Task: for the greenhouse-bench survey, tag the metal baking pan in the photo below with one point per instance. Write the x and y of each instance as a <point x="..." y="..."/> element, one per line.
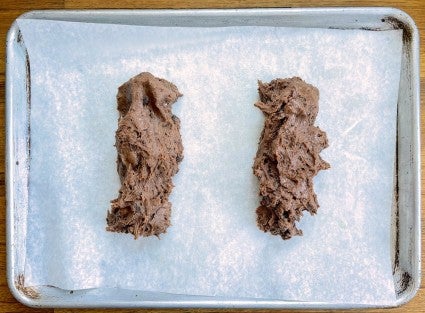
<point x="406" y="216"/>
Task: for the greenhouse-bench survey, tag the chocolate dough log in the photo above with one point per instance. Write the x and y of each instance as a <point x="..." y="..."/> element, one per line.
<point x="149" y="150"/>
<point x="288" y="155"/>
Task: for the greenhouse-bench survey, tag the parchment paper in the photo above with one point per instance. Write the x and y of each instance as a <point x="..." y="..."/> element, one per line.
<point x="213" y="247"/>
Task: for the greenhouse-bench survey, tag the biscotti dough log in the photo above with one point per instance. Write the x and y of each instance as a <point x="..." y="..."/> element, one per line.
<point x="149" y="150"/>
<point x="288" y="155"/>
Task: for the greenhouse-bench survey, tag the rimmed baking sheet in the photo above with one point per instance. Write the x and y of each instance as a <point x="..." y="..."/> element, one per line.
<point x="376" y="19"/>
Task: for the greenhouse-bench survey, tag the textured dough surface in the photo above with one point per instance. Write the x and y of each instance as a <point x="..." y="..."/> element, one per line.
<point x="288" y="155"/>
<point x="149" y="150"/>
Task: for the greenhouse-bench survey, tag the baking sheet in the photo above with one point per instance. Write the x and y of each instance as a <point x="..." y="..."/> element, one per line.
<point x="213" y="247"/>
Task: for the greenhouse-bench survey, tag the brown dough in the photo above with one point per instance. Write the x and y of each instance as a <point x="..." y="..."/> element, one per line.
<point x="288" y="155"/>
<point x="149" y="150"/>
